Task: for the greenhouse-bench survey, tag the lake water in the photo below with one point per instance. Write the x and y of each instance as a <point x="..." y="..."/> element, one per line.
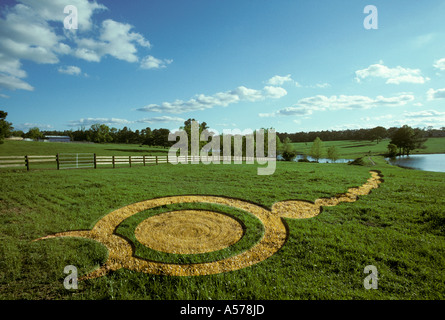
<point x="322" y="160"/>
<point x="426" y="162"/>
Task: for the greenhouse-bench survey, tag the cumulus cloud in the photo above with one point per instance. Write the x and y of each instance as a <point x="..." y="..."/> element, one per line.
<point x="436" y="94"/>
<point x="440" y="64"/>
<point x="86" y="122"/>
<point x="52" y="10"/>
<point x="70" y="70"/>
<point x="424" y="114"/>
<point x="28" y="32"/>
<point x="203" y="102"/>
<point x="90" y="121"/>
<point x="307" y="106"/>
<point x="116" y="39"/>
<point x="423" y="118"/>
<point x="395" y="75"/>
<point x="26" y="126"/>
<point x="279" y="80"/>
<point x="150" y="62"/>
<point x="161" y="119"/>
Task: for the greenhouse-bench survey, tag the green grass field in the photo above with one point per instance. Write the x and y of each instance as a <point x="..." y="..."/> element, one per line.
<point x="399" y="228"/>
<point x="353" y="149"/>
<point x="21" y="148"/>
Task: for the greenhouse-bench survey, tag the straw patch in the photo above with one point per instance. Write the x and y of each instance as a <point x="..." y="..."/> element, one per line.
<point x="189" y="231"/>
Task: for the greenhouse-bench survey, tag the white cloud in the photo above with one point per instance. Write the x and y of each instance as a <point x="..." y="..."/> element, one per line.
<point x="436" y="94"/>
<point x="150" y="62"/>
<point x="116" y="39"/>
<point x="395" y="75"/>
<point x="279" y="80"/>
<point x="161" y="119"/>
<point x="424" y="114"/>
<point x="26" y="126"/>
<point x="440" y="64"/>
<point x="274" y="92"/>
<point x="90" y="121"/>
<point x="52" y="10"/>
<point x="307" y="106"/>
<point x="28" y="32"/>
<point x="70" y="70"/>
<point x="4" y="96"/>
<point x="13" y="83"/>
<point x="86" y="122"/>
<point x="203" y="102"/>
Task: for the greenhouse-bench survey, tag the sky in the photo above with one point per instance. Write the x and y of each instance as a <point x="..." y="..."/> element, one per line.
<point x="290" y="65"/>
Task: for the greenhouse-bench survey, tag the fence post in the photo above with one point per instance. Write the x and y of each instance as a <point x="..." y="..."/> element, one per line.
<point x="156" y="159"/>
<point x="143" y="160"/>
<point x="57" y="160"/>
<point x="129" y="160"/>
<point x="95" y="162"/>
<point x="113" y="162"/>
<point x="27" y="163"/>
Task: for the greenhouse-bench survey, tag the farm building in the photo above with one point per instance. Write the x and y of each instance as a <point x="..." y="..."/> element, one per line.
<point x="58" y="138"/>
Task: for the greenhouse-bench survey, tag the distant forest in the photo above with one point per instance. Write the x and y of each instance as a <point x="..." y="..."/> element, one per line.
<point x="159" y="137"/>
<point x="373" y="134"/>
<point x="101" y="133"/>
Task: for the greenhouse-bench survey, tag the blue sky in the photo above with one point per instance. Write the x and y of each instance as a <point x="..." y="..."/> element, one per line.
<point x="291" y="65"/>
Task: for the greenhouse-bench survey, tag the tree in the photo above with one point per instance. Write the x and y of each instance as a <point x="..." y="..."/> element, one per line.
<point x="287" y="150"/>
<point x="408" y="139"/>
<point x="34" y="133"/>
<point x="147" y="136"/>
<point x="392" y="150"/>
<point x="316" y="149"/>
<point x="332" y="153"/>
<point x="377" y="134"/>
<point x="160" y="137"/>
<point x="5" y="126"/>
<point x="99" y="133"/>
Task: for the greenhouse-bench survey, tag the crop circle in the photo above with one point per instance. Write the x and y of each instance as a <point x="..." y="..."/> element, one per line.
<point x="189" y="231"/>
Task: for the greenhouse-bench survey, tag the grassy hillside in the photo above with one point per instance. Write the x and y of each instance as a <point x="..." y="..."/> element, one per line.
<point x="346" y="149"/>
<point x="20" y="148"/>
<point x="353" y="149"/>
<point x="399" y="228"/>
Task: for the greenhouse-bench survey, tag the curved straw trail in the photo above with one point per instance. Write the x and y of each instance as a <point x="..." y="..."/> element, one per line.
<point x="121" y="252"/>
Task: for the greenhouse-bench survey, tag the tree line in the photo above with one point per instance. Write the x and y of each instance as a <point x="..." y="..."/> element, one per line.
<point x="402" y="140"/>
<point x="373" y="134"/>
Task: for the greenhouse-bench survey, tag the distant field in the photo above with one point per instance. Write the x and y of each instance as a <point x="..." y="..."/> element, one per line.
<point x="346" y="149"/>
<point x="349" y="149"/>
<point x="21" y="148"/>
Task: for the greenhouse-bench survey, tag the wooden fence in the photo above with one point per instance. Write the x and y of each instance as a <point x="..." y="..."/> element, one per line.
<point x="81" y="160"/>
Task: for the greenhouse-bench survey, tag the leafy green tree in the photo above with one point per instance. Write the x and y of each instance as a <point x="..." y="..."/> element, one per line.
<point x="147" y="136"/>
<point x="5" y="126"/>
<point x="287" y="150"/>
<point x="34" y="133"/>
<point x="392" y="150"/>
<point x="160" y="137"/>
<point x="377" y="134"/>
<point x="333" y="153"/>
<point x="18" y="133"/>
<point x="99" y="133"/>
<point x="316" y="149"/>
<point x="408" y="139"/>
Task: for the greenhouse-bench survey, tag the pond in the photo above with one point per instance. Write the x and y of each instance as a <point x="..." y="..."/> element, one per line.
<point x="321" y="160"/>
<point x="425" y="162"/>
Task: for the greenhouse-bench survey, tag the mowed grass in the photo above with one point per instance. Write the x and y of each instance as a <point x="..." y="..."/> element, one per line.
<point x="399" y="228"/>
<point x="349" y="149"/>
<point x="22" y="148"/>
